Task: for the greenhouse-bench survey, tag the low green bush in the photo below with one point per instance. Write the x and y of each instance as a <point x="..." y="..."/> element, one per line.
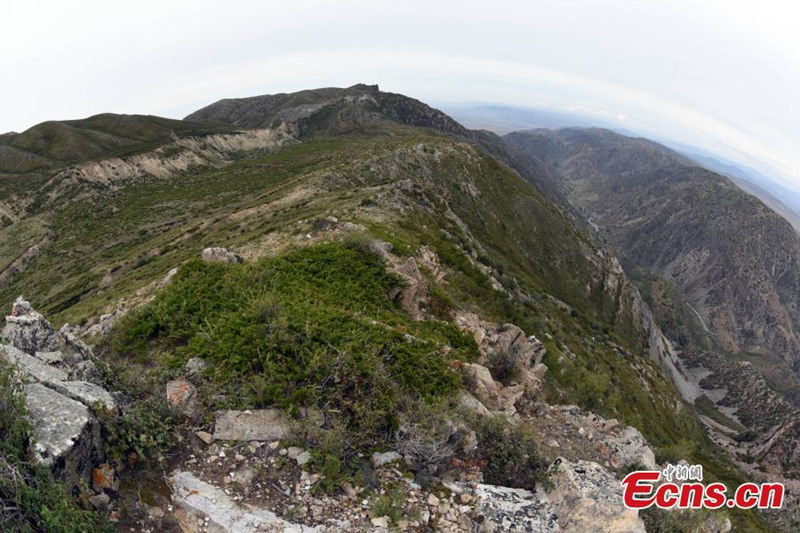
<point x="510" y="454"/>
<point x="505" y="367"/>
<point x="390" y="504"/>
<point x="146" y="428"/>
<point x="312" y="328"/>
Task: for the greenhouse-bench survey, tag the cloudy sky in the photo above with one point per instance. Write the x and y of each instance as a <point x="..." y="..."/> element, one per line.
<point x="720" y="75"/>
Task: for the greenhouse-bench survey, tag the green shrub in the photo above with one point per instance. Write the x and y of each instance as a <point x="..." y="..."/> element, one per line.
<point x="681" y="450"/>
<point x="510" y="454"/>
<point x="14" y="429"/>
<point x="334" y="453"/>
<point x="390" y="504"/>
<point x="313" y="327"/>
<point x="505" y="367"/>
<point x="147" y="428"/>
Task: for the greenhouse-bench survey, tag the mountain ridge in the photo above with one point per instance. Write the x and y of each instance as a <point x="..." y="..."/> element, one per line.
<point x="470" y="225"/>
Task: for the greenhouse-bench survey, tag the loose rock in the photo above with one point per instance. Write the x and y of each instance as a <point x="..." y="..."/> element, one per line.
<point x="220" y="255"/>
<point x="381" y="459"/>
<point x="182" y="396"/>
<point x="206" y="437"/>
<point x="259" y="425"/>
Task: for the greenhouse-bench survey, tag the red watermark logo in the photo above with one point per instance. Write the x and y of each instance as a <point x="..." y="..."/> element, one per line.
<point x="641" y="489"/>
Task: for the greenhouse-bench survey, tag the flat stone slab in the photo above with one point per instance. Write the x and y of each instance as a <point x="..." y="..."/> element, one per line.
<point x="258" y="424"/>
<point x="87" y="393"/>
<point x="31" y="367"/>
<point x="58" y="422"/>
<point x="196" y="501"/>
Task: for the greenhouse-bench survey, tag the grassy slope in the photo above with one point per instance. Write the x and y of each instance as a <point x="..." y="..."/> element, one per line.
<point x="51" y="144"/>
<point x="106" y="247"/>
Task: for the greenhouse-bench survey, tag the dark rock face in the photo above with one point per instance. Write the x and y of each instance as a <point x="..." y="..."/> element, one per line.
<point x="732" y="258"/>
<point x="27" y="330"/>
<point x="263" y="111"/>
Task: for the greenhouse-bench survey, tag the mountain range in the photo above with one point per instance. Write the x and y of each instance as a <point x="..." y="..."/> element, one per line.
<point x="361" y="235"/>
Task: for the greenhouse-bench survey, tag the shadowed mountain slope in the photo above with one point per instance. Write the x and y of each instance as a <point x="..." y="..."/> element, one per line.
<point x="734" y="260"/>
<point x="264" y="111"/>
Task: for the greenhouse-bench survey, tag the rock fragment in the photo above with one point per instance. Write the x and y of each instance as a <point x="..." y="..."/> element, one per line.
<point x="259" y="425"/>
<point x="217" y="254"/>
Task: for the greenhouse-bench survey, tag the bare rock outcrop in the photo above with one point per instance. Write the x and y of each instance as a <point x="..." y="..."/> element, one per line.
<point x="56" y="367"/>
<point x="507" y="340"/>
<point x="503" y="509"/>
<point x="414" y="288"/>
<point x="67" y="434"/>
<point x="492" y="393"/>
<point x="216" y="254"/>
<point x="28" y="331"/>
<point x="583" y="497"/>
<point x="416" y="274"/>
<point x="586" y="497"/>
<point x="503" y="338"/>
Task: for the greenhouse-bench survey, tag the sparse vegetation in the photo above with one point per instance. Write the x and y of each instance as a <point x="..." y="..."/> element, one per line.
<point x="706" y="407"/>
<point x="510" y="454"/>
<point x="144" y="431"/>
<point x="390" y="504"/>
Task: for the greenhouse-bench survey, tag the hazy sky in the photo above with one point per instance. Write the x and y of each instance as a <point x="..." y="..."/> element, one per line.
<point x="721" y="75"/>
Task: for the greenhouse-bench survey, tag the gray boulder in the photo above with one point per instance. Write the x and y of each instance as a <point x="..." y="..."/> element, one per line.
<point x="27" y="330"/>
<point x="33" y="370"/>
<point x="56" y="367"/>
<point x="630" y="447"/>
<point x="586" y="497"/>
<point x="87" y="393"/>
<point x="85" y="371"/>
<point x="76" y="348"/>
<point x="194" y="366"/>
<point x="30" y="367"/>
<point x="51" y="358"/>
<point x="216" y="254"/>
<point x="503" y="509"/>
<point x="67" y="434"/>
<point x="201" y="507"/>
